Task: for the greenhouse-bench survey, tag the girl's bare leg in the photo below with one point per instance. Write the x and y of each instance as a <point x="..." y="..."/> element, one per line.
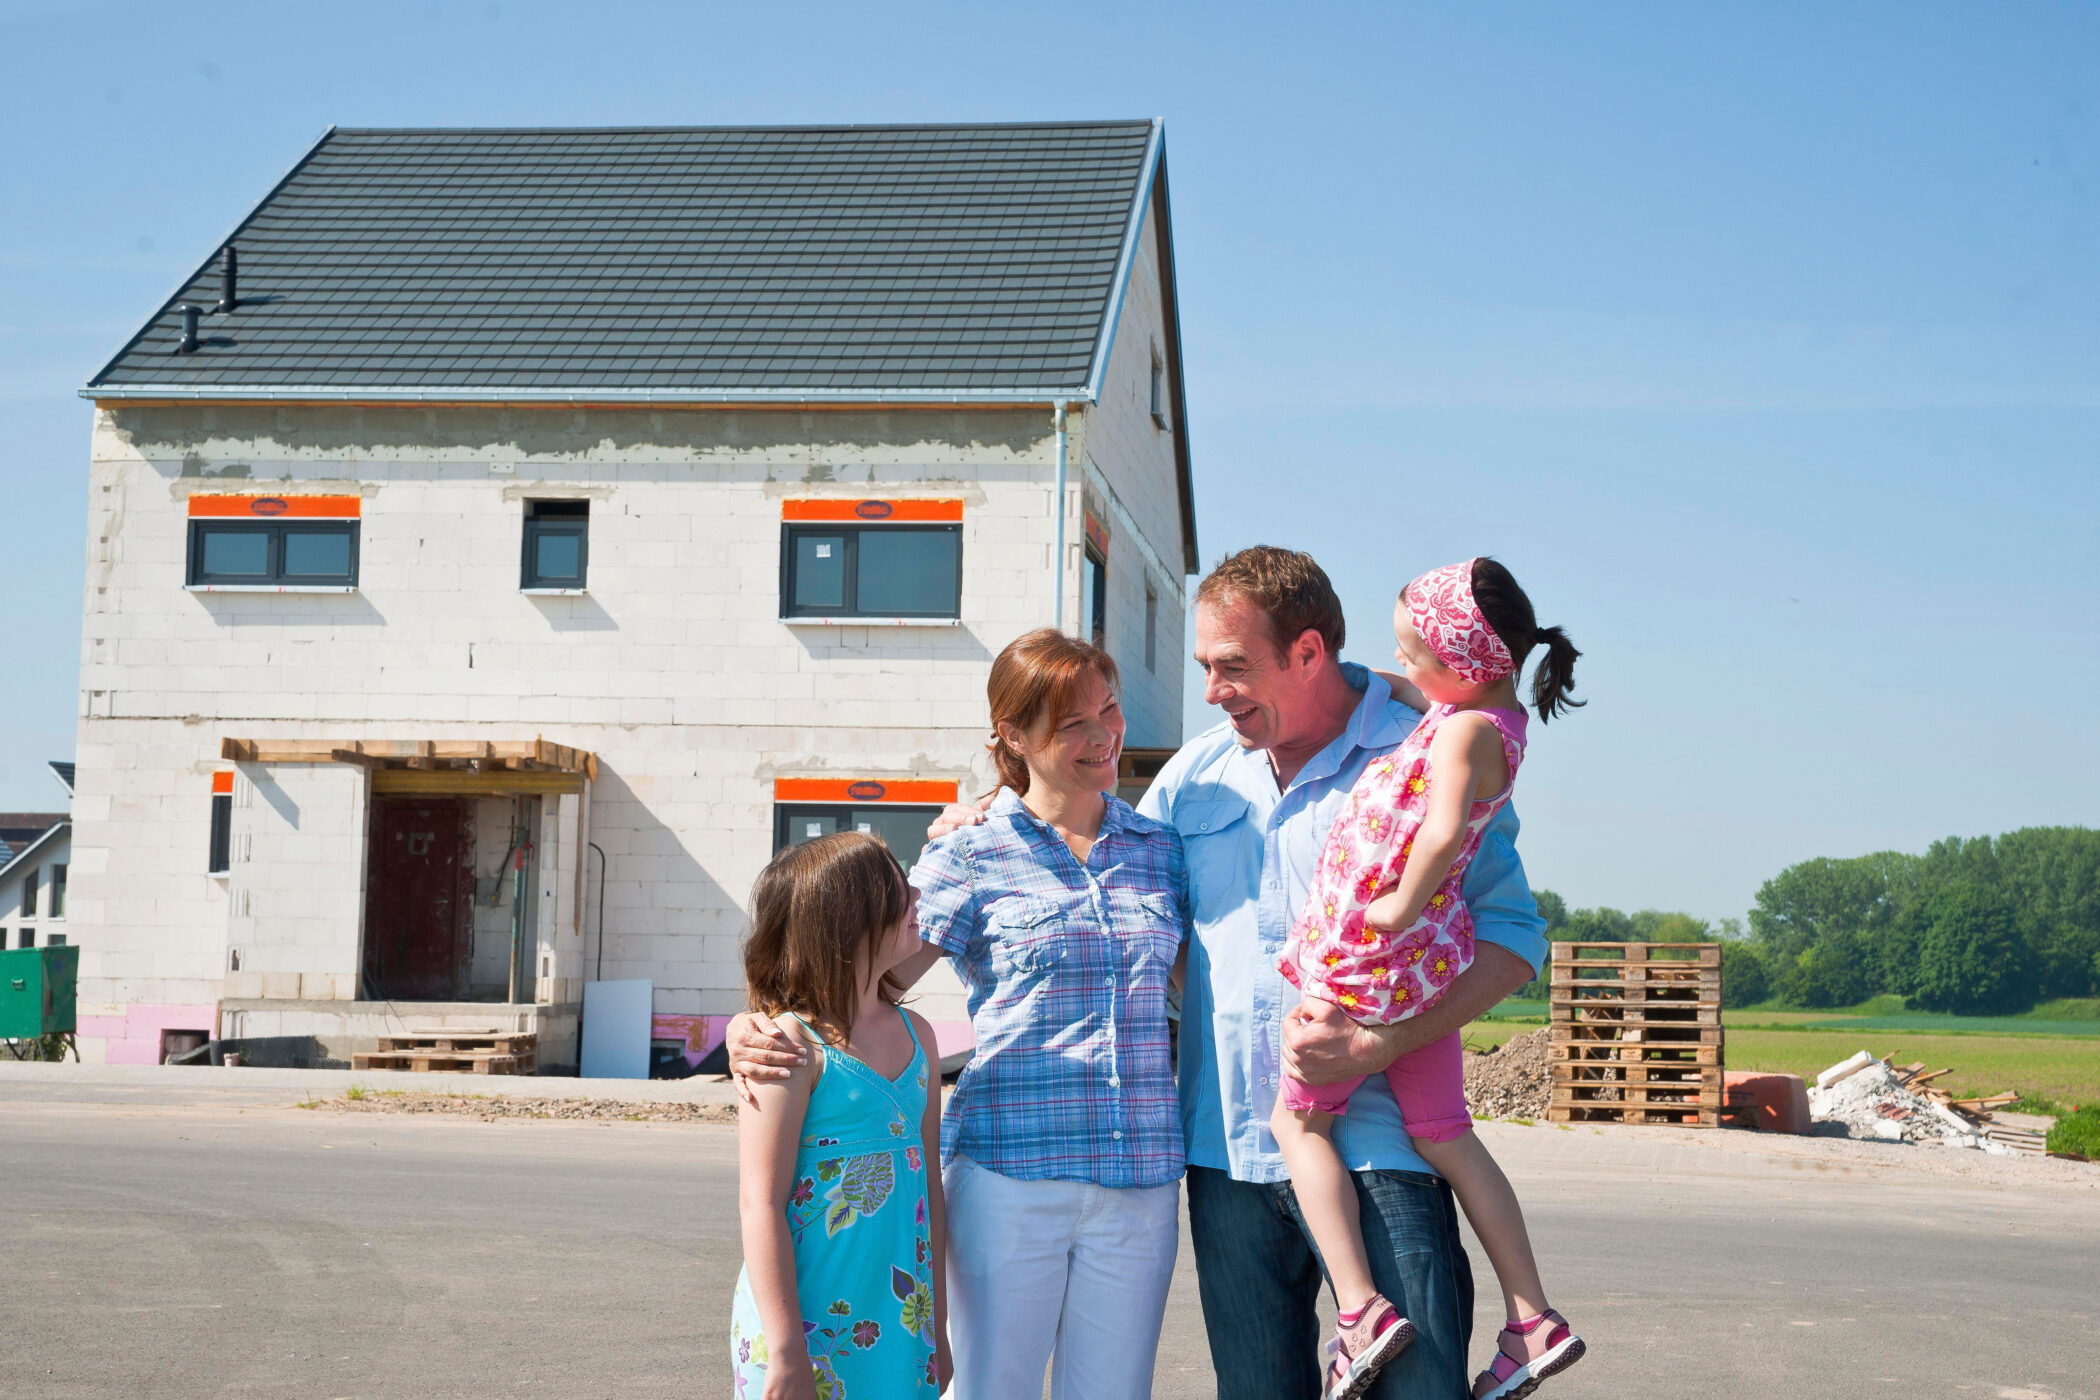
<point x="1491" y="1206"/>
<point x="1327" y="1199"/>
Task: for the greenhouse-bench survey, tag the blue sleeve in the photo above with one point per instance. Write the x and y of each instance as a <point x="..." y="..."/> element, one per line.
<point x="1499" y="893"/>
<point x="948" y="914"/>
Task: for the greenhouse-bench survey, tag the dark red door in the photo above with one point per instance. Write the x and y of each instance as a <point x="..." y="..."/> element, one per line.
<point x="417" y="889"/>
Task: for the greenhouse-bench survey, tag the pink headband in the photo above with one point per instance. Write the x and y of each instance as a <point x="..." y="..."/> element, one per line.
<point x="1441" y="607"/>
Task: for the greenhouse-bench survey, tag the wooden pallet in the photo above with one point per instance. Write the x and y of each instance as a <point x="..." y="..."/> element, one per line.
<point x="1622" y="1113"/>
<point x="1696" y="1076"/>
<point x="1636" y="1034"/>
<point x="464" y="1042"/>
<point x="446" y="1062"/>
<point x="1583" y="1052"/>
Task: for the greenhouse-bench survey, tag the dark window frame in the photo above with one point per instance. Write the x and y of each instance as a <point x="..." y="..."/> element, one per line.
<point x="558" y="522"/>
<point x="784" y="812"/>
<point x="221" y="855"/>
<point x="29" y="887"/>
<point x="275" y="531"/>
<point x="1096" y="579"/>
<point x="851" y="532"/>
<point x="57" y="898"/>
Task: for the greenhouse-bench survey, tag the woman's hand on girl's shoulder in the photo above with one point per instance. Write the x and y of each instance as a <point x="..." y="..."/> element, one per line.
<point x="761" y="1051"/>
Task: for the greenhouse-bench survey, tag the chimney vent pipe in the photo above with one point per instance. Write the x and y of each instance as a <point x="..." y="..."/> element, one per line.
<point x="189" y="330"/>
<point x="229" y="289"/>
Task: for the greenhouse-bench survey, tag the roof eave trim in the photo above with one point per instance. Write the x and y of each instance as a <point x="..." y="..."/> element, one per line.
<point x="37" y="845"/>
<point x="484" y="394"/>
<point x="1126" y="261"/>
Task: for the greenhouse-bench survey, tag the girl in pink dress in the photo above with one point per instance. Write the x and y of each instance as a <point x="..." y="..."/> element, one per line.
<point x="1386" y="929"/>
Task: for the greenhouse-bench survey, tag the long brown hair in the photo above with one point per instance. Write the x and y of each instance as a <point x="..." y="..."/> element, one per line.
<point x="819" y="912"/>
<point x="1038" y="674"/>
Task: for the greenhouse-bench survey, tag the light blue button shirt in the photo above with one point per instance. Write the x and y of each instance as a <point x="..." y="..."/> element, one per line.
<point x="1251" y="855"/>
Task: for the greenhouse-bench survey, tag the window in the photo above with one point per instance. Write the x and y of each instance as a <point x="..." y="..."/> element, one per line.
<point x="557" y="543"/>
<point x="273" y="554"/>
<point x="221" y="824"/>
<point x="29" y="896"/>
<point x="1159" y="389"/>
<point x="1151" y="626"/>
<point x="56" y="940"/>
<point x="25" y="938"/>
<point x="902" y="828"/>
<point x="1093" y="597"/>
<point x="58" y="892"/>
<point x="872" y="571"/>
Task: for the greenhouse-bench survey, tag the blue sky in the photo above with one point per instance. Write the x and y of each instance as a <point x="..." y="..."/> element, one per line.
<point x="1762" y="342"/>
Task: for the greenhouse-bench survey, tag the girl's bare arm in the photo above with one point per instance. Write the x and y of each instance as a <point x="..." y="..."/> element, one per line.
<point x="1460" y="761"/>
<point x="936" y="1199"/>
<point x="768" y="1131"/>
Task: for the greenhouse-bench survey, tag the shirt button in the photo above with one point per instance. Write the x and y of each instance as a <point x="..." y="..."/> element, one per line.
<point x="1108" y="981"/>
<point x="1115" y="1081"/>
<point x="1202" y="826"/>
<point x="1117" y="1134"/>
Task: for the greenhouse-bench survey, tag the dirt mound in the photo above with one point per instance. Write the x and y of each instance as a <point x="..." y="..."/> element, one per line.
<point x="1512" y="1082"/>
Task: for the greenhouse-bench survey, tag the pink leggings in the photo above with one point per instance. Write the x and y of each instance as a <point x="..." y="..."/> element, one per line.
<point x="1429" y="1084"/>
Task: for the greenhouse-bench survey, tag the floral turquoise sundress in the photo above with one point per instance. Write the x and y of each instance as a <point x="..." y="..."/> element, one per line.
<point x="863" y="1250"/>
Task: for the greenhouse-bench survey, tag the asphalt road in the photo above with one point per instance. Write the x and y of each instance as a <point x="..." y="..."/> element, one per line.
<point x="254" y="1249"/>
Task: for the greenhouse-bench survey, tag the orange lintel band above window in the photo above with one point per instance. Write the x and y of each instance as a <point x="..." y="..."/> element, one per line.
<point x="863" y="790"/>
<point x="275" y="507"/>
<point x="873" y="510"/>
<point x="222" y="783"/>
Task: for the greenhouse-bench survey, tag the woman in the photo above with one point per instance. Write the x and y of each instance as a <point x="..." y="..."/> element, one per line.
<point x="1063" y="912"/>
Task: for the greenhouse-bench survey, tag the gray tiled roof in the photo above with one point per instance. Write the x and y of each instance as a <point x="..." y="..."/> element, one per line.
<point x="830" y="259"/>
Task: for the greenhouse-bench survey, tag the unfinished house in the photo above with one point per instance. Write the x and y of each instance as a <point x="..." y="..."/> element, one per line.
<point x="506" y="540"/>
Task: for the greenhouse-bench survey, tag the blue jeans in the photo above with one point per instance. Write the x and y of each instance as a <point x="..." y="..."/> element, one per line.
<point x="1259" y="1277"/>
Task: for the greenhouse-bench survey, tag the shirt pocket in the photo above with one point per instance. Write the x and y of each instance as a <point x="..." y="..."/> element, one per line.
<point x="1028" y="937"/>
<point x="1213" y="834"/>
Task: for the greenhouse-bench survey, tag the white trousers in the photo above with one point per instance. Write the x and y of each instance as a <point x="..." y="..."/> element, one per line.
<point x="1063" y="1270"/>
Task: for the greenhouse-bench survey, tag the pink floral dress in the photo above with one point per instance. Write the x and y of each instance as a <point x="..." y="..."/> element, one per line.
<point x="1376" y="976"/>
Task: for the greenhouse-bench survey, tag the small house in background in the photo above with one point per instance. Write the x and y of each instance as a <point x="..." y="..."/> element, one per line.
<point x="36" y="865"/>
<point x="507" y="540"/>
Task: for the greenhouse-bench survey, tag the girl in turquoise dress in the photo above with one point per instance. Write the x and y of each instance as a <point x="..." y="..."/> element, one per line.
<point x="844" y="1289"/>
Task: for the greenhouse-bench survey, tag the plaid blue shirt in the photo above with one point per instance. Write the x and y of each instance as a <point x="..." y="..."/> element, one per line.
<point x="1066" y="967"/>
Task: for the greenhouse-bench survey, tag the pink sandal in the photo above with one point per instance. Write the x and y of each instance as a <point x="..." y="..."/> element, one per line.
<point x="1512" y="1376"/>
<point x="1362" y="1349"/>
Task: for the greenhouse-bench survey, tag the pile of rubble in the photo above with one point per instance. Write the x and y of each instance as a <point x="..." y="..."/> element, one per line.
<point x="1512" y="1082"/>
<point x="1867" y="1097"/>
<point x="489" y="1108"/>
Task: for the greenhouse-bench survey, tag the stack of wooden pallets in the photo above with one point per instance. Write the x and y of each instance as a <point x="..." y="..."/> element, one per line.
<point x="1636" y="1033"/>
<point x="455" y="1052"/>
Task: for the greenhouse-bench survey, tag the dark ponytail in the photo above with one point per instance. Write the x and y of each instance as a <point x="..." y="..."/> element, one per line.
<point x="1508" y="610"/>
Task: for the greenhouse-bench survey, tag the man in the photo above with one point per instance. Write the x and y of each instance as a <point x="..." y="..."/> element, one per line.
<point x="1253" y="799"/>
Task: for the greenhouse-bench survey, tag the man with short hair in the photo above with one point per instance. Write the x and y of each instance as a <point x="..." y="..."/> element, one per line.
<point x="1253" y="799"/>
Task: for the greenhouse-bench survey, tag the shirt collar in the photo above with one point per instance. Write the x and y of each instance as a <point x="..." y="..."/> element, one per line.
<point x="1371" y="725"/>
<point x="1008" y="804"/>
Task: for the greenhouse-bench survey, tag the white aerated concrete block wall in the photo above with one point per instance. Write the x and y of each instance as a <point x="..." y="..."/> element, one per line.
<point x="674" y="668"/>
<point x="296" y="891"/>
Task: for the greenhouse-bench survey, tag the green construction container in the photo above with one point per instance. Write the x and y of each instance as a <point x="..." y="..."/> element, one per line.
<point x="36" y="991"/>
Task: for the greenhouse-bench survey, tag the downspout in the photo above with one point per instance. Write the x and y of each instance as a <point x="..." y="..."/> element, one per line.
<point x="1057" y="560"/>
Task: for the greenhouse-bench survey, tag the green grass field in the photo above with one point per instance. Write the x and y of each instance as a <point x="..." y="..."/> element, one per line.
<point x="2034" y="1055"/>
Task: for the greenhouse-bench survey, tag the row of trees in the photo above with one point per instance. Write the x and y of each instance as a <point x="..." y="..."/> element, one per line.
<point x="1988" y="926"/>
